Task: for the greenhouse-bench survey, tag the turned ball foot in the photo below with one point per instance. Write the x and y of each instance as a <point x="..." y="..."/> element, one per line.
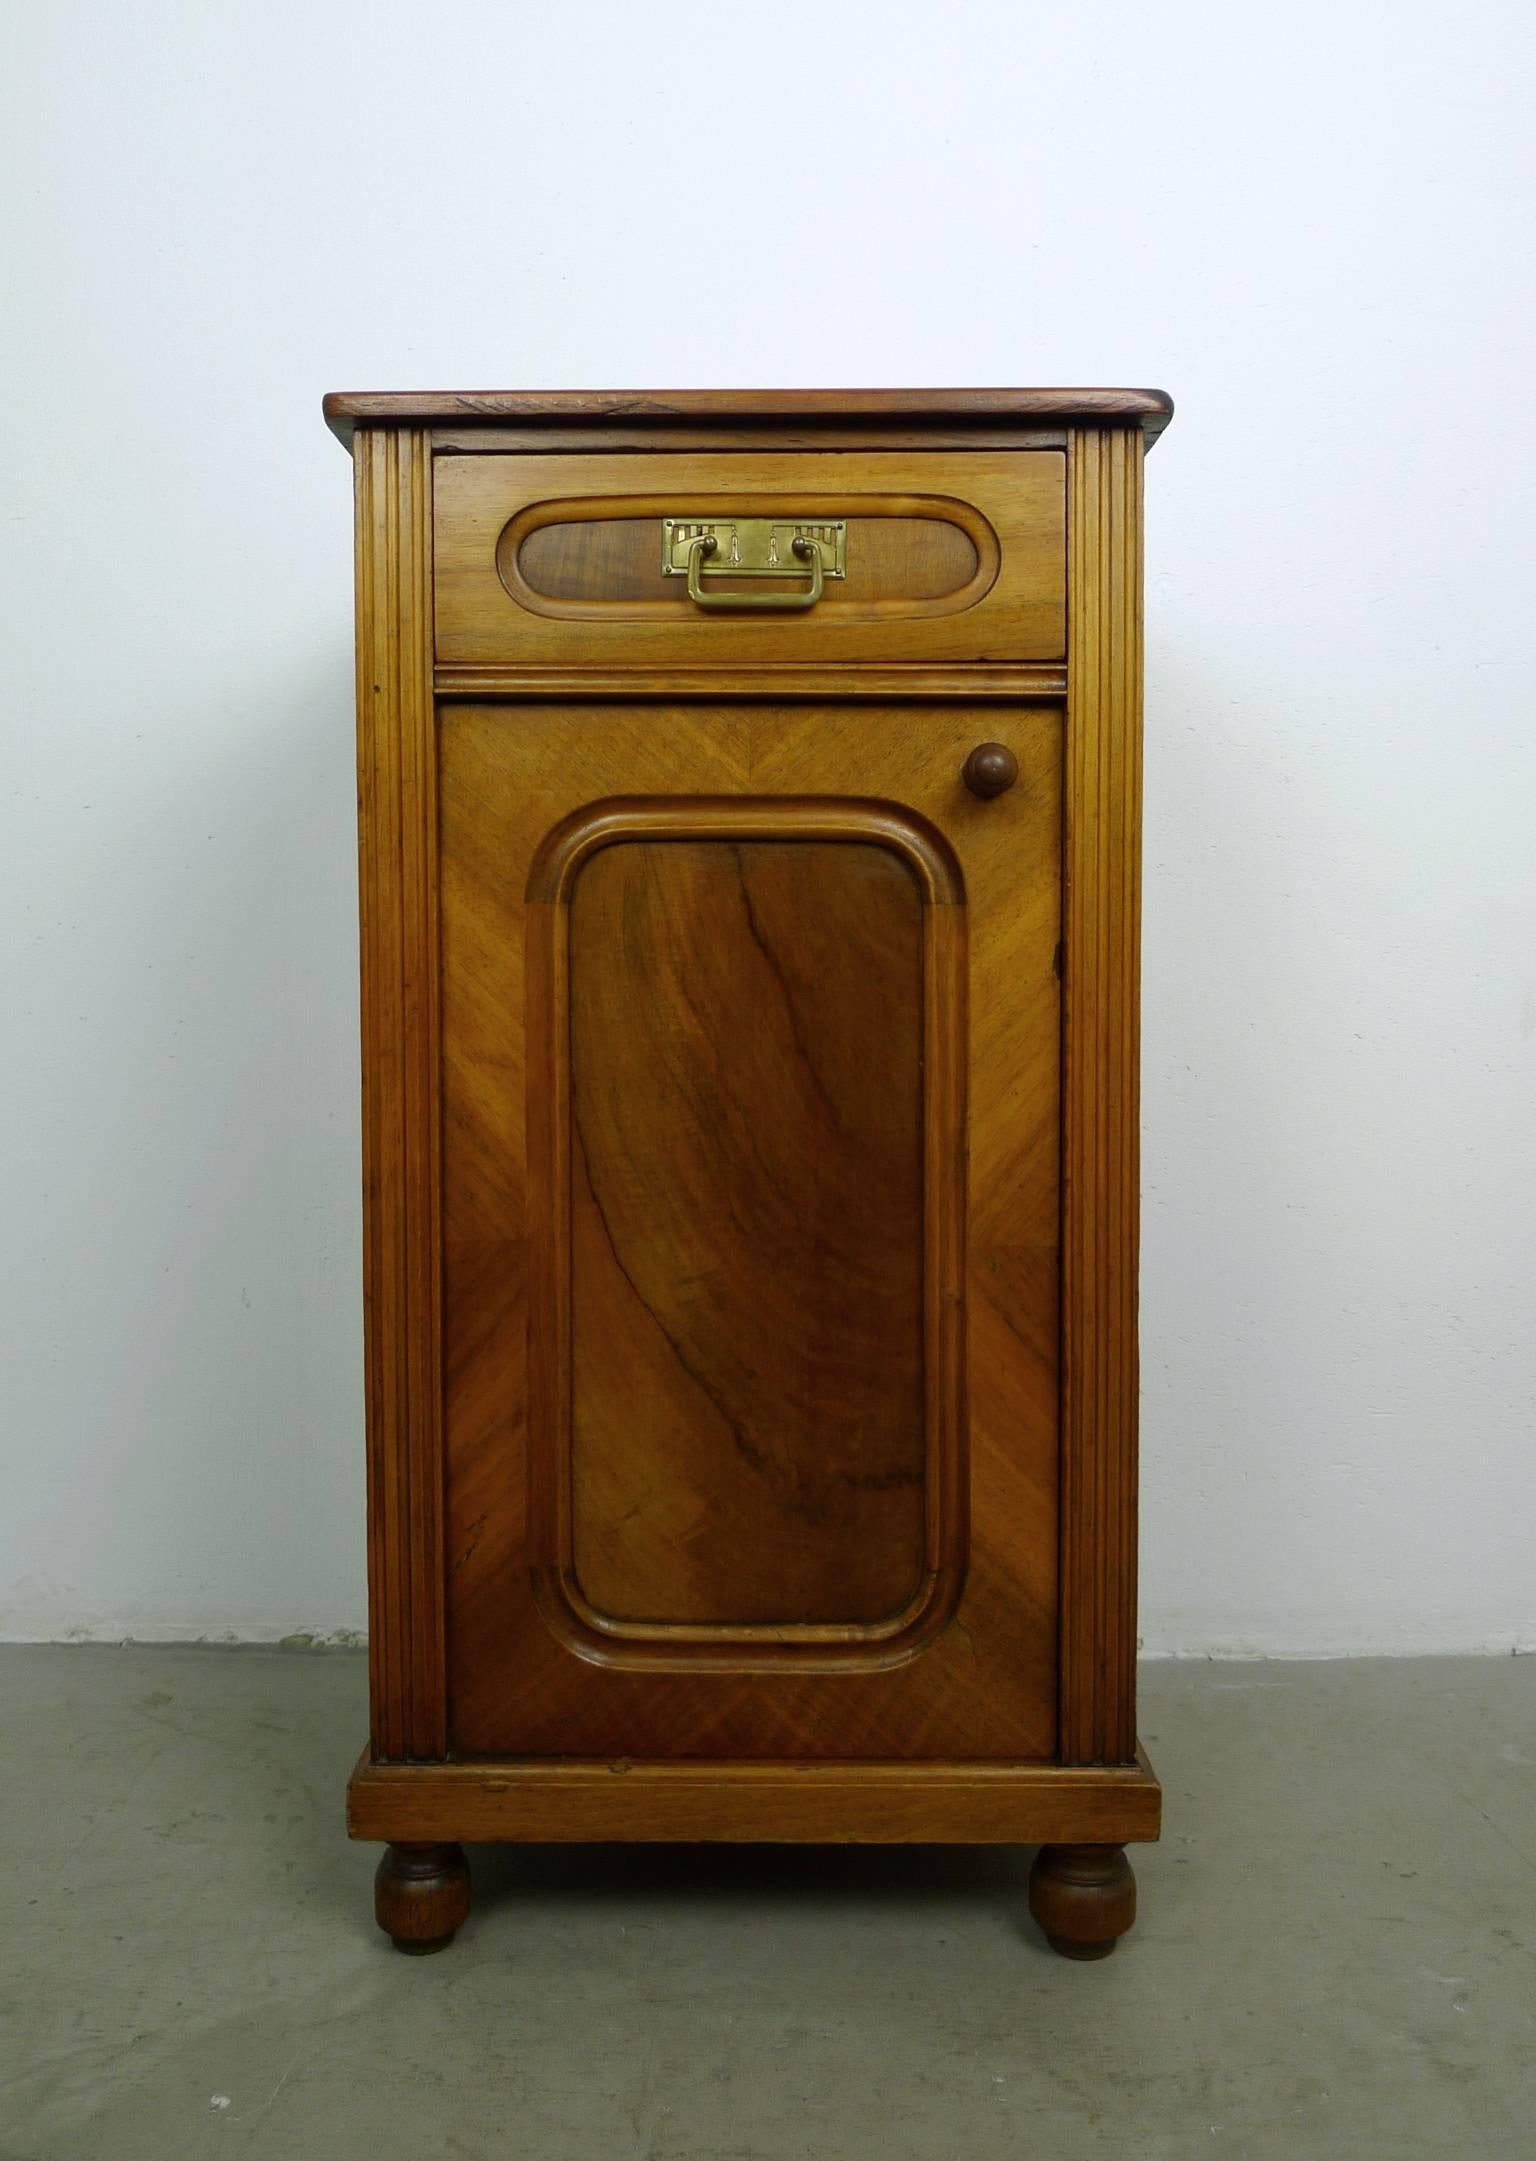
<point x="1084" y="1897"/>
<point x="421" y="1895"/>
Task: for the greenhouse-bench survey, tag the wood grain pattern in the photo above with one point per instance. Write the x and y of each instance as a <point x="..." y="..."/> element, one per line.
<point x="1101" y="1099"/>
<point x="397" y="843"/>
<point x="984" y="1686"/>
<point x="827" y="1803"/>
<point x="345" y="409"/>
<point x="609" y="929"/>
<point x="897" y="557"/>
<point x="1012" y="506"/>
<point x="819" y="1025"/>
<point x="746" y="1372"/>
<point x="799" y="1222"/>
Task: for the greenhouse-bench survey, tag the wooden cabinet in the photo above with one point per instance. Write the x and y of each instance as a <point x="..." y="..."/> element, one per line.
<point x="749" y="809"/>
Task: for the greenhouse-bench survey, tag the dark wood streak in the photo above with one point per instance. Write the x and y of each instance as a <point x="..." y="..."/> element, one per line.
<point x="757" y="1457"/>
<point x="776" y="969"/>
<point x="679" y="965"/>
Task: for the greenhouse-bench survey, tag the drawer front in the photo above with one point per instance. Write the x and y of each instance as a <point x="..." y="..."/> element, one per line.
<point x="675" y="561"/>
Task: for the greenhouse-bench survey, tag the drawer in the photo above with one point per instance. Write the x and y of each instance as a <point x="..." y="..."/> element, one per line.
<point x="691" y="561"/>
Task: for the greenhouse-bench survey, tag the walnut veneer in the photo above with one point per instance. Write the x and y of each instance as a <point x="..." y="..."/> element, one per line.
<point x="750" y="1121"/>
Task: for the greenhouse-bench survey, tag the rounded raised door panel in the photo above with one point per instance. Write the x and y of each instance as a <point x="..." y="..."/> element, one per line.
<point x="746" y="1412"/>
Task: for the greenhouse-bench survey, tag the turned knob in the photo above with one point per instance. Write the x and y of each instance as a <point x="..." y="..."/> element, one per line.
<point x="990" y="770"/>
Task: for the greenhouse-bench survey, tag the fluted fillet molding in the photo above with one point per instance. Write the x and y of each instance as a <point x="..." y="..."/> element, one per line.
<point x="397" y="851"/>
<point x="1101" y="1096"/>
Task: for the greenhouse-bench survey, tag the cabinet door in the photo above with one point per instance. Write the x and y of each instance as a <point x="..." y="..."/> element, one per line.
<point x="750" y="1200"/>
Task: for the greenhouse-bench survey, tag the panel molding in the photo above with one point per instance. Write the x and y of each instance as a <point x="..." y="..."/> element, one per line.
<point x="648" y="508"/>
<point x="546" y="437"/>
<point x="745" y="1647"/>
<point x="1100" y="1096"/>
<point x="397" y="841"/>
<point x="1022" y="683"/>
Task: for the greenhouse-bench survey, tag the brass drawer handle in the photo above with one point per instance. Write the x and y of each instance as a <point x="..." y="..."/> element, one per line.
<point x="705" y="544"/>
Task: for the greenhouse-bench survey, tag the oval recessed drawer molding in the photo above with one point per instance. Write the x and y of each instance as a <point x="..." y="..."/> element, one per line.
<point x="841" y="556"/>
<point x="905" y="555"/>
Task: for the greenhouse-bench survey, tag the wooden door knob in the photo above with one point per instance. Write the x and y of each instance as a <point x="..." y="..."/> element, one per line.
<point x="990" y="770"/>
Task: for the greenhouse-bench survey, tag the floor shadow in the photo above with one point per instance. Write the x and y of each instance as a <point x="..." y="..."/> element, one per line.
<point x="770" y="1876"/>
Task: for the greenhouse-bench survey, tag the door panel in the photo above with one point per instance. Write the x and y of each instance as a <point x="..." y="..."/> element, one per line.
<point x="746" y="1165"/>
<point x="746" y="1440"/>
<point x="734" y="1500"/>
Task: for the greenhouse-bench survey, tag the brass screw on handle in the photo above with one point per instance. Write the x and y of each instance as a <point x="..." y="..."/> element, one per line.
<point x="990" y="770"/>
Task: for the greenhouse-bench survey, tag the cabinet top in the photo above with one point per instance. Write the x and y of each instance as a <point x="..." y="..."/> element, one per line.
<point x="346" y="409"/>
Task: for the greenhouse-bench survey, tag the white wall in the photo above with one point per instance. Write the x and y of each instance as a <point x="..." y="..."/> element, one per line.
<point x="1311" y="224"/>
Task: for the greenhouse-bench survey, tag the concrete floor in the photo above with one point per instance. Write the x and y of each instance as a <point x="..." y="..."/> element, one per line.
<point x="1335" y="1955"/>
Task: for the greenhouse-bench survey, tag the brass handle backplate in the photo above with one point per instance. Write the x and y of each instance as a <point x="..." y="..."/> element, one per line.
<point x="704" y="550"/>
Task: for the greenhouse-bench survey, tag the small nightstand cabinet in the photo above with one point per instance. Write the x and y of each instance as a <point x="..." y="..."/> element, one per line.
<point x="749" y="799"/>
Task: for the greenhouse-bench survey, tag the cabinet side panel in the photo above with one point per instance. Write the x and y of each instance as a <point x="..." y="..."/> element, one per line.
<point x="397" y="854"/>
<point x="1100" y="1106"/>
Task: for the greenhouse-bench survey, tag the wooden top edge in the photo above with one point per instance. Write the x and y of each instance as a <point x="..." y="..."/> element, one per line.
<point x="345" y="409"/>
